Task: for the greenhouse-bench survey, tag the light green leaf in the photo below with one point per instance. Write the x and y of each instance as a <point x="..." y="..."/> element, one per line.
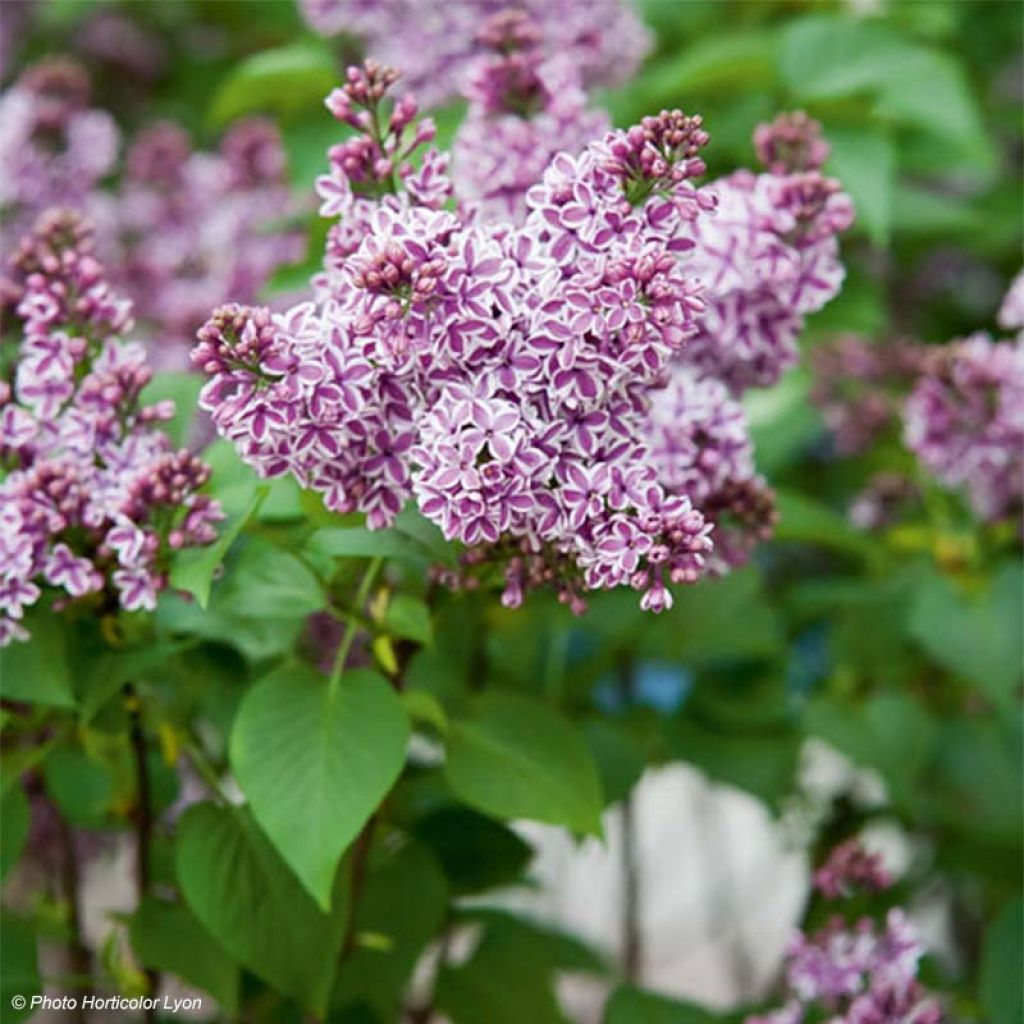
<point x="409" y="617"/>
<point x="283" y="81"/>
<point x="864" y="160"/>
<point x="167" y="937"/>
<point x="248" y="900"/>
<point x="316" y="763"/>
<point x="193" y="568"/>
<point x="267" y="582"/>
<point x="181" y="388"/>
<point x="359" y="542"/>
<point x="37" y="671"/>
<point x="515" y="757"/>
<point x="14" y="822"/>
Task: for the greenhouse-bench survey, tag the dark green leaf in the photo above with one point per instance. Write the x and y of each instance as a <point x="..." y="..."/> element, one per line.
<point x="37" y="670"/>
<point x="631" y="1005"/>
<point x="19" y="970"/>
<point x="14" y="822"/>
<point x="252" y="904"/>
<point x="167" y="937"/>
<point x="82" y="787"/>
<point x="409" y="617"/>
<point x="1002" y="981"/>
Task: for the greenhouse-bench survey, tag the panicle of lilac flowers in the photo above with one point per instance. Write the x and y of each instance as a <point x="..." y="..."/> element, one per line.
<point x="500" y="376"/>
<point x="524" y="107"/>
<point x="791" y="143"/>
<point x="964" y="420"/>
<point x="435" y="41"/>
<point x="55" y="147"/>
<point x="191" y="227"/>
<point x="851" y="866"/>
<point x="700" y="447"/>
<point x="859" y="385"/>
<point x="94" y="498"/>
<point x="855" y="972"/>
<point x="768" y="258"/>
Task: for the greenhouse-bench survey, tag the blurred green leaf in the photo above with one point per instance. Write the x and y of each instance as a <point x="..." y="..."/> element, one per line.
<point x="1002" y="981"/>
<point x="977" y="636"/>
<point x="167" y="937"/>
<point x="515" y="757"/>
<point x="182" y="389"/>
<point x="476" y="852"/>
<point x="19" y="967"/>
<point x="14" y="822"/>
<point x="409" y="617"/>
<point x="864" y="160"/>
<point x="284" y="81"/>
<point x="81" y="786"/>
<point x="37" y="670"/>
<point x="631" y="1005"/>
<point x="805" y="520"/>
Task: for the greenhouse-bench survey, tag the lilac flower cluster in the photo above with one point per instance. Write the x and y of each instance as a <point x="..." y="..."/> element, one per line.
<point x="498" y="375"/>
<point x="524" y="107"/>
<point x="964" y="420"/>
<point x="191" y="228"/>
<point x="55" y="148"/>
<point x="769" y="257"/>
<point x="860" y="385"/>
<point x="436" y="41"/>
<point x="94" y="499"/>
<point x="855" y="973"/>
<point x="182" y="229"/>
<point x="699" y="444"/>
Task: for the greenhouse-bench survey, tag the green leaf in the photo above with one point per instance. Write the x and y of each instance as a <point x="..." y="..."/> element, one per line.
<point x="808" y="521"/>
<point x="14" y="822"/>
<point x="268" y="582"/>
<point x="19" y="970"/>
<point x="193" y="569"/>
<point x="315" y="763"/>
<point x="1001" y="983"/>
<point x="82" y="787"/>
<point x="631" y="1005"/>
<point x="409" y="617"/>
<point x="359" y="542"/>
<point x="515" y="757"/>
<point x="476" y="852"/>
<point x="864" y="160"/>
<point x="181" y="388"/>
<point x="283" y="81"/>
<point x="245" y="896"/>
<point x="37" y="671"/>
<point x="976" y="636"/>
<point x="168" y="937"/>
<point x="619" y="757"/>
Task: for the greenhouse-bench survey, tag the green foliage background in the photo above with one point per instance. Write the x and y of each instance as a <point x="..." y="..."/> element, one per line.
<point x="900" y="648"/>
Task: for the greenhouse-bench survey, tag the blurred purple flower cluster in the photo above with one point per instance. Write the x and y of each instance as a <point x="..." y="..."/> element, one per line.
<point x="855" y="972"/>
<point x="510" y="377"/>
<point x="524" y="107"/>
<point x="180" y="231"/>
<point x="964" y="420"/>
<point x="769" y="257"/>
<point x="94" y="498"/>
<point x="435" y="41"/>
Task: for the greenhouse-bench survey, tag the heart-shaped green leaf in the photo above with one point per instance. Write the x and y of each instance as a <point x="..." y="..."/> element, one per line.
<point x="315" y="763"/>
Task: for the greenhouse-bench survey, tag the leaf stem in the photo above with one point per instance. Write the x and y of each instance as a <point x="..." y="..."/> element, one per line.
<point x="350" y="631"/>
